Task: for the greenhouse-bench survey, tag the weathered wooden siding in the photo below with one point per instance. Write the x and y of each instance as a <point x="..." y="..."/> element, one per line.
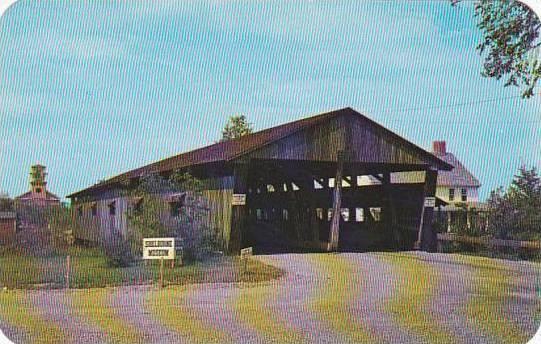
<point x="219" y="219"/>
<point x="217" y="201"/>
<point x="103" y="223"/>
<point x="319" y="143"/>
<point x="351" y="133"/>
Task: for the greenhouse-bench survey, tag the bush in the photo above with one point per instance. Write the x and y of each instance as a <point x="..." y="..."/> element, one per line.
<point x="118" y="251"/>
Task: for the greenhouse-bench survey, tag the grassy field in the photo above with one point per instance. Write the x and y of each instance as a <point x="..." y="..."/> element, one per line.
<point x="170" y="308"/>
<point x="493" y="282"/>
<point x="412" y="294"/>
<point x="250" y="306"/>
<point x="89" y="269"/>
<point x="331" y="302"/>
<point x="93" y="306"/>
<point x="17" y="309"/>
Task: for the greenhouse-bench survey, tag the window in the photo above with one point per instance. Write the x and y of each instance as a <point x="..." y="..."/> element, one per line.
<point x="451" y="194"/>
<point x="270" y="188"/>
<point x="329" y="214"/>
<point x="317" y="185"/>
<point x="319" y="213"/>
<point x="38" y="190"/>
<point x="294" y="187"/>
<point x="331" y="182"/>
<point x="175" y="208"/>
<point x="345" y="214"/>
<point x="94" y="209"/>
<point x="359" y="214"/>
<point x="258" y="214"/>
<point x="376" y="214"/>
<point x="112" y="208"/>
<point x="80" y="211"/>
<point x="285" y="214"/>
<point x="138" y="204"/>
<point x="464" y="195"/>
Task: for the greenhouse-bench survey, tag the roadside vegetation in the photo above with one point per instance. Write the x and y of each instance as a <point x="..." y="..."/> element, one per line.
<point x="513" y="213"/>
<point x="89" y="268"/>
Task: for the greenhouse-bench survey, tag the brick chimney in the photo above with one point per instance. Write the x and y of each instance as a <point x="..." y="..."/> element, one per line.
<point x="439" y="147"/>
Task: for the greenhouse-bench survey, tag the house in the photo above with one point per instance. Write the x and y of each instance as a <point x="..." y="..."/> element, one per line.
<point x="297" y="186"/>
<point x="38" y="194"/>
<point x="8" y="227"/>
<point x="458" y="188"/>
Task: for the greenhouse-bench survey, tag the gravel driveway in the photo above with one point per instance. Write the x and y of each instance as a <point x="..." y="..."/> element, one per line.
<point x="288" y="301"/>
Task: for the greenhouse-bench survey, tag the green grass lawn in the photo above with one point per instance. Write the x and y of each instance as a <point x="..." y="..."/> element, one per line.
<point x="18" y="311"/>
<point x="493" y="283"/>
<point x="93" y="305"/>
<point x="169" y="306"/>
<point x="250" y="306"/>
<point x="412" y="294"/>
<point x="89" y="269"/>
<point x="331" y="302"/>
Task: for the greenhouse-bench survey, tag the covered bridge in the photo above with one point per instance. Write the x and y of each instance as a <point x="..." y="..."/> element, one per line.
<point x="327" y="182"/>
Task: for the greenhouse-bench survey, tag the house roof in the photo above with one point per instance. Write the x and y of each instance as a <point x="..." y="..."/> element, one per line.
<point x="459" y="176"/>
<point x="232" y="149"/>
<point x="49" y="196"/>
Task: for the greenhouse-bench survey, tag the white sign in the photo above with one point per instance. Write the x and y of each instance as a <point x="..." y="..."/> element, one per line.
<point x="430" y="202"/>
<point x="239" y="199"/>
<point x="159" y="248"/>
<point x="246" y="253"/>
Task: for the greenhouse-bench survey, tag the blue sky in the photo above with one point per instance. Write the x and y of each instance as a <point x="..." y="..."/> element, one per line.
<point x="94" y="88"/>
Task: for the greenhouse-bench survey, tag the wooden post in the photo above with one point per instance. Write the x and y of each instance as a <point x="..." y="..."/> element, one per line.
<point x="68" y="272"/>
<point x="239" y="213"/>
<point x="337" y="204"/>
<point x="386" y="182"/>
<point x="161" y="272"/>
<point x="426" y="239"/>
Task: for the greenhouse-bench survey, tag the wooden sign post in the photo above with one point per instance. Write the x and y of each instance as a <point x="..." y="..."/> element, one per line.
<point x="245" y="254"/>
<point x="159" y="248"/>
<point x="161" y="272"/>
<point x="68" y="272"/>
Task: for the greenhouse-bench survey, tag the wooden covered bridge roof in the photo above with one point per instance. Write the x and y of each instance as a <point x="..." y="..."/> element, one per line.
<point x="246" y="145"/>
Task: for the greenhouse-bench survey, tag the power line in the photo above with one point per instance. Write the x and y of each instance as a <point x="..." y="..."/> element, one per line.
<point x="472" y="102"/>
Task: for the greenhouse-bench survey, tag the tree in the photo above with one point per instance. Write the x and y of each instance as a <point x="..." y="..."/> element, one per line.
<point x="516" y="212"/>
<point x="6" y="203"/>
<point x="236" y="127"/>
<point x="184" y="218"/>
<point x="511" y="42"/>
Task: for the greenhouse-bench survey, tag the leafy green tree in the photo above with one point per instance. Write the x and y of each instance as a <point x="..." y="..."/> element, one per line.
<point x="151" y="216"/>
<point x="516" y="212"/>
<point x="511" y="44"/>
<point x="6" y="203"/>
<point x="236" y="127"/>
